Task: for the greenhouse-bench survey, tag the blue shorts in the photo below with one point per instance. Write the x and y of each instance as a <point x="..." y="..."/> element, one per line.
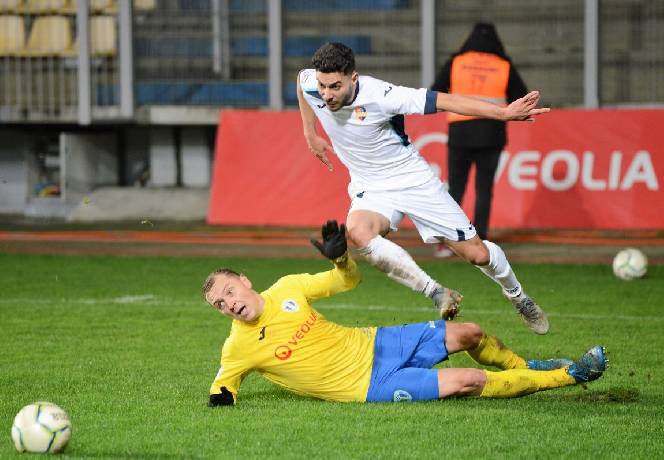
<point x="403" y="361"/>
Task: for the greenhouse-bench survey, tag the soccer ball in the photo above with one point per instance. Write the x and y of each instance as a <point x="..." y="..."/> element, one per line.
<point x="41" y="427"/>
<point x="630" y="264"/>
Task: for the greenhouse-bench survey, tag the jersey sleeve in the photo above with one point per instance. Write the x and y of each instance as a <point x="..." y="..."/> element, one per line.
<point x="343" y="277"/>
<point x="308" y="83"/>
<point x="406" y="101"/>
<point x="231" y="372"/>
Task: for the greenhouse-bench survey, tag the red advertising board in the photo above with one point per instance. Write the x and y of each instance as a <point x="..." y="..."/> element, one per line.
<point x="570" y="169"/>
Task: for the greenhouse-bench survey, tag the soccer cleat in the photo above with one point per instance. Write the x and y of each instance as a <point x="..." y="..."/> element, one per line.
<point x="548" y="364"/>
<point x="590" y="366"/>
<point x="531" y="313"/>
<point x="447" y="302"/>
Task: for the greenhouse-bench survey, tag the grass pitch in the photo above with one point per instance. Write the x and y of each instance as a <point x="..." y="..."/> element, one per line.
<point x="127" y="346"/>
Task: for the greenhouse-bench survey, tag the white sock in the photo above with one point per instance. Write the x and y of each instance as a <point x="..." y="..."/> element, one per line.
<point x="500" y="271"/>
<point x="397" y="264"/>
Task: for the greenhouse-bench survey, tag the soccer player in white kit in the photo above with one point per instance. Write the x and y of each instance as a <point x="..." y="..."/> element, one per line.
<point x="389" y="179"/>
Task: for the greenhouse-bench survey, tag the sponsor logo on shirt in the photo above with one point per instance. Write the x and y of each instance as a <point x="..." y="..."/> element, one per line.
<point x="285" y="350"/>
<point x="290" y="306"/>
<point x="387" y="91"/>
<point x="360" y="113"/>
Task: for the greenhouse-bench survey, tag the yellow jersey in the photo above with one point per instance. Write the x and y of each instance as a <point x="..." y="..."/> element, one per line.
<point x="293" y="345"/>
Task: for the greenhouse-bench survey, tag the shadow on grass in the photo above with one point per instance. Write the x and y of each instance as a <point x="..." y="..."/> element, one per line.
<point x="612" y="395"/>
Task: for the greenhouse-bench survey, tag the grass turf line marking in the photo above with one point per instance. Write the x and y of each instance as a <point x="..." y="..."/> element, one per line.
<point x="152" y="300"/>
<point x="146" y="298"/>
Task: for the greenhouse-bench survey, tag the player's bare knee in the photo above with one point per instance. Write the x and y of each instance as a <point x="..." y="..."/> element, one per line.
<point x="473" y="251"/>
<point x="478" y="255"/>
<point x="361" y="235"/>
<point x="472" y="335"/>
<point x="471" y="382"/>
<point x="476" y="381"/>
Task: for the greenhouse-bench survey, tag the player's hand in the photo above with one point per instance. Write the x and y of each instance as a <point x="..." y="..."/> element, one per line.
<point x="318" y="146"/>
<point x="225" y="398"/>
<point x="334" y="243"/>
<point x="524" y="109"/>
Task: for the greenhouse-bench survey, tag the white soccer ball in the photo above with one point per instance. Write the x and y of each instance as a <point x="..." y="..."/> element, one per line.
<point x="41" y="427"/>
<point x="630" y="264"/>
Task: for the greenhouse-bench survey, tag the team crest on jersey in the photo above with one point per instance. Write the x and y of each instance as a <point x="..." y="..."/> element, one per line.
<point x="360" y="113"/>
<point x="401" y="396"/>
<point x="290" y="306"/>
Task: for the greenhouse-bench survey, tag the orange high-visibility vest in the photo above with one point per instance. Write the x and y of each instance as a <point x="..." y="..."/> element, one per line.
<point x="481" y="75"/>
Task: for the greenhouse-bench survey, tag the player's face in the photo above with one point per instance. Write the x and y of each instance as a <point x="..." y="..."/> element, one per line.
<point x="232" y="296"/>
<point x="337" y="89"/>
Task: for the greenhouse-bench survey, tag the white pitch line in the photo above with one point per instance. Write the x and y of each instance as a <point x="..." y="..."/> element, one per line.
<point x="128" y="299"/>
<point x="499" y="311"/>
<point x="152" y="300"/>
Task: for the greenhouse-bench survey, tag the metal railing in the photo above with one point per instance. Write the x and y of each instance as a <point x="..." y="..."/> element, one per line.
<point x="84" y="62"/>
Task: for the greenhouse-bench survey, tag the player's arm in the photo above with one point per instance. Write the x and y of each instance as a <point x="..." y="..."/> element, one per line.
<point x="317" y="145"/>
<point x="523" y="109"/>
<point x="227" y="382"/>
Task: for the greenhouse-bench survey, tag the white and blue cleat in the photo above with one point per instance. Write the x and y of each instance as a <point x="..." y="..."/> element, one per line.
<point x="590" y="366"/>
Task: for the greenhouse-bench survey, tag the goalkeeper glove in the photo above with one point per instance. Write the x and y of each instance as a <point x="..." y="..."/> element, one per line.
<point x="334" y="243"/>
<point x="225" y="398"/>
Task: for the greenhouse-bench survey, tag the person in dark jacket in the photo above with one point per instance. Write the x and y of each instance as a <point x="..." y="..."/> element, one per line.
<point x="480" y="69"/>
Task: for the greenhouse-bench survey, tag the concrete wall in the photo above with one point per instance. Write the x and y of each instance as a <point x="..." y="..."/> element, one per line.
<point x="196" y="158"/>
<point x="89" y="174"/>
<point x="16" y="177"/>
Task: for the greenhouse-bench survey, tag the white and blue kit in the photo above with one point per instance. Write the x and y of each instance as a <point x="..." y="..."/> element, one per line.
<point x="388" y="175"/>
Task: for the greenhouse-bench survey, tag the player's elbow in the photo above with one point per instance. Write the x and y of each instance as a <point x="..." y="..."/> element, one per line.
<point x="225" y="398"/>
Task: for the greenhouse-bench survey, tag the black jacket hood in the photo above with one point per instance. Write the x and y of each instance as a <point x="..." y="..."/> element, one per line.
<point x="484" y="39"/>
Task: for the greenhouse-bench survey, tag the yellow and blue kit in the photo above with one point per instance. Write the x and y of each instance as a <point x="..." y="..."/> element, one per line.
<point x="296" y="347"/>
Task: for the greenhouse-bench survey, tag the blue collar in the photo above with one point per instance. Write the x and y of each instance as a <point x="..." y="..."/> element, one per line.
<point x="357" y="91"/>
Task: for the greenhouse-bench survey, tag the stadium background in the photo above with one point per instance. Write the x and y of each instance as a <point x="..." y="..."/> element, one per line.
<point x="107" y="148"/>
<point x="122" y="125"/>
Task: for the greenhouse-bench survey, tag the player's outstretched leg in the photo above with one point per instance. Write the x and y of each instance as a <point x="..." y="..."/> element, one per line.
<point x="397" y="264"/>
<point x="491" y="351"/>
<point x="521" y="382"/>
<point x="499" y="270"/>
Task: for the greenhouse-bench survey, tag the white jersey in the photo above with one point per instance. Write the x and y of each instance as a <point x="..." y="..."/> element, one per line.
<point x="368" y="135"/>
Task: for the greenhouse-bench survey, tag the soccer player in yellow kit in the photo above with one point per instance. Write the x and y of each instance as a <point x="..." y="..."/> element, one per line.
<point x="279" y="334"/>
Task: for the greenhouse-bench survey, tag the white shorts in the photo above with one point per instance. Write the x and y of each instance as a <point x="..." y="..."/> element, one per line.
<point x="433" y="211"/>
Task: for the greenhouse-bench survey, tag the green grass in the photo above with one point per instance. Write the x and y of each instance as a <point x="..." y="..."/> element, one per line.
<point x="127" y="346"/>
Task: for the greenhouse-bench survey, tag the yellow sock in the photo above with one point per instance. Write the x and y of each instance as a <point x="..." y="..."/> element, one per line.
<point x="521" y="382"/>
<point x="492" y="352"/>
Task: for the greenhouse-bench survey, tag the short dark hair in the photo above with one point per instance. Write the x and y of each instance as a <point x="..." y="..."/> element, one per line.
<point x="209" y="281"/>
<point x="334" y="57"/>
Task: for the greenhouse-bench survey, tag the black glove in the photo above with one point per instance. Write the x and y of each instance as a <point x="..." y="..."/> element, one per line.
<point x="225" y="398"/>
<point x="334" y="240"/>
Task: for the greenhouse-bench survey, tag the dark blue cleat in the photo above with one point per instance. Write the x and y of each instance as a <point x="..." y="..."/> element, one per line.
<point x="590" y="366"/>
<point x="548" y="364"/>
